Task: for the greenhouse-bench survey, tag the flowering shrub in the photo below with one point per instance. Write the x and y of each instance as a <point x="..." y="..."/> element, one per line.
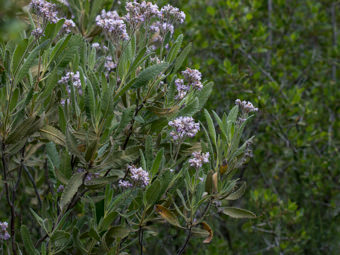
<point x="99" y="148"/>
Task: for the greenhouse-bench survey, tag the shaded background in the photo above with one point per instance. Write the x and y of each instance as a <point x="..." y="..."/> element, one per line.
<point x="283" y="56"/>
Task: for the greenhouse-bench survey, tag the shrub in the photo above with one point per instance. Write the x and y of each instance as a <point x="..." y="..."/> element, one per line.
<point x="99" y="149"/>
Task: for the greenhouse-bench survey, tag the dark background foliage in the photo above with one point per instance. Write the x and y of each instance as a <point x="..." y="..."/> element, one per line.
<point x="282" y="55"/>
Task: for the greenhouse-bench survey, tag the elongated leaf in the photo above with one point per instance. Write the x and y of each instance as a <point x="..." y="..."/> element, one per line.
<point x="18" y="55"/>
<point x="157" y="162"/>
<point x="175" y="49"/>
<point x="180" y="59"/>
<point x="211" y="127"/>
<point x="190" y="109"/>
<point x="90" y="104"/>
<point x="25" y="235"/>
<point x="30" y="61"/>
<point x="72" y="146"/>
<point x="167" y="215"/>
<point x="152" y="194"/>
<point x="238" y="213"/>
<point x="53" y="134"/>
<point x="204" y="94"/>
<point x="149" y="74"/>
<point x="71" y="189"/>
<point x="238" y="193"/>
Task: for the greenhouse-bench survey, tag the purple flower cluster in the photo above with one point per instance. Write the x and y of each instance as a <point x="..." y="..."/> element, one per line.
<point x="172" y="14"/>
<point x="138" y="13"/>
<point x="113" y="25"/>
<point x="45" y="10"/>
<point x="74" y="78"/>
<point x="184" y="126"/>
<point x="139" y="175"/>
<point x="109" y="64"/>
<point x="161" y="28"/>
<point x="60" y="188"/>
<point x="3" y="231"/>
<point x="38" y="32"/>
<point x="124" y="184"/>
<point x="68" y="25"/>
<point x="182" y="89"/>
<point x="198" y="159"/>
<point x="246" y="107"/>
<point x="193" y="77"/>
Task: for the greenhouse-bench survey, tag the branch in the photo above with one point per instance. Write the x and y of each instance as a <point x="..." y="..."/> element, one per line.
<point x="140" y="238"/>
<point x="34" y="185"/>
<point x="10" y="203"/>
<point x="186" y="242"/>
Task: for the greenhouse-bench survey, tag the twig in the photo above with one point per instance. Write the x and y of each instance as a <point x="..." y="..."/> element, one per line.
<point x="186" y="242"/>
<point x="34" y="185"/>
<point x="10" y="203"/>
<point x="140" y="238"/>
<point x="47" y="179"/>
<point x="138" y="108"/>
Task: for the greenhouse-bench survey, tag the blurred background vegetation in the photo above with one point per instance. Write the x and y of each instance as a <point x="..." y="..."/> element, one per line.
<point x="283" y="56"/>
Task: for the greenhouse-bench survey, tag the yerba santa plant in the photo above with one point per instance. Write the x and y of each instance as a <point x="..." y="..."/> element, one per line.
<point x="105" y="144"/>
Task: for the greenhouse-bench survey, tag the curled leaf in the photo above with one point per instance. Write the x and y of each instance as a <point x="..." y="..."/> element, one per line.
<point x="207" y="228"/>
<point x="167" y="215"/>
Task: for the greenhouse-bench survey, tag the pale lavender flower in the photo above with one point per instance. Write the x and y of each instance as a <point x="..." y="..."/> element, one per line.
<point x="184" y="127"/>
<point x="162" y="27"/>
<point x="201" y="179"/>
<point x="139" y="175"/>
<point x="138" y="13"/>
<point x="198" y="159"/>
<point x="113" y="25"/>
<point x="124" y="184"/>
<point x="182" y="89"/>
<point x="193" y="77"/>
<point x="109" y="64"/>
<point x="68" y="25"/>
<point x="96" y="45"/>
<point x="38" y="32"/>
<point x="60" y="188"/>
<point x="45" y="10"/>
<point x="74" y="78"/>
<point x="173" y="14"/>
<point x="3" y="231"/>
<point x="246" y="106"/>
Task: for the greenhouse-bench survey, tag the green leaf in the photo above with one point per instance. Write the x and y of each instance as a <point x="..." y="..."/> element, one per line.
<point x="149" y="74"/>
<point x="180" y="59"/>
<point x="72" y="146"/>
<point x="238" y="213"/>
<point x="53" y="134"/>
<point x="71" y="189"/>
<point x="190" y="109"/>
<point x="23" y="71"/>
<point x="157" y="162"/>
<point x="28" y="244"/>
<point x="90" y="101"/>
<point x="204" y="94"/>
<point x="125" y="120"/>
<point x="211" y="127"/>
<point x="52" y="152"/>
<point x="152" y="194"/>
<point x="18" y="55"/>
<point x="238" y="193"/>
<point x="175" y="49"/>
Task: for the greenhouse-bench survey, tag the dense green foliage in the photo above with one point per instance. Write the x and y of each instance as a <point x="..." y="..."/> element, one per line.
<point x="99" y="150"/>
<point x="284" y="56"/>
